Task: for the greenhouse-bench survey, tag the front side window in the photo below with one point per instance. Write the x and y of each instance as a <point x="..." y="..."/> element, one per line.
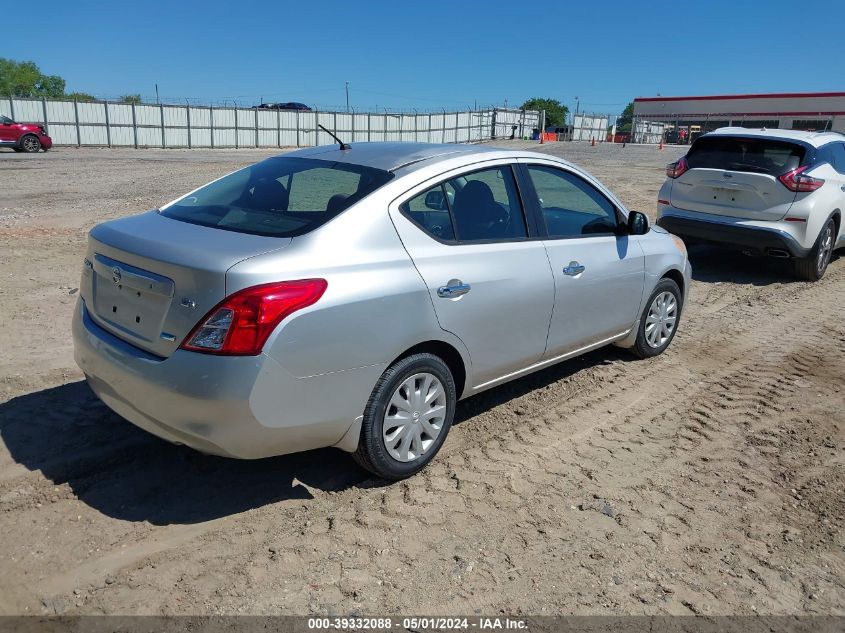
<point x="278" y="197"/>
<point x="571" y="206"/>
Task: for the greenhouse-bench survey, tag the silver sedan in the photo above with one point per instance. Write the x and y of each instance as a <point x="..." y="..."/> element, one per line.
<point x="349" y="297"/>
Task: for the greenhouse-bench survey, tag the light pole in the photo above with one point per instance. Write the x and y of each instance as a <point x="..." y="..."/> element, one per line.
<point x="347" y="96"/>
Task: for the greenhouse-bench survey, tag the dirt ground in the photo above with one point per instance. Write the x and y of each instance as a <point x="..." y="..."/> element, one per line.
<point x="708" y="480"/>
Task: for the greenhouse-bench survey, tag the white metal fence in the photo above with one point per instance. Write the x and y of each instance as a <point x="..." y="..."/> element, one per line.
<point x="110" y="124"/>
<point x="590" y="127"/>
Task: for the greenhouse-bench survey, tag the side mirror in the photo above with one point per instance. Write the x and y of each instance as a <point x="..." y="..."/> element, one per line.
<point x="637" y="223"/>
<point x="434" y="200"/>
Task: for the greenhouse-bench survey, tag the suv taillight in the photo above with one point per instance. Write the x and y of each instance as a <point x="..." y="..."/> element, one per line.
<point x="240" y="324"/>
<point x="674" y="170"/>
<point x="795" y="181"/>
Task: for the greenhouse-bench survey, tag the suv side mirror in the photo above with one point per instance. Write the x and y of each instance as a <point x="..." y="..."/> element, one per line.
<point x="637" y="223"/>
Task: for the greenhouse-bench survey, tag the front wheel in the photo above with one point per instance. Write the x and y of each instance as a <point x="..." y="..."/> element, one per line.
<point x="30" y="143"/>
<point x="659" y="320"/>
<point x="813" y="267"/>
<point x="407" y="417"/>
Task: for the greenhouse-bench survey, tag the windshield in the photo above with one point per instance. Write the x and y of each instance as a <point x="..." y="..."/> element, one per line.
<point x="278" y="197"/>
<point x="758" y="155"/>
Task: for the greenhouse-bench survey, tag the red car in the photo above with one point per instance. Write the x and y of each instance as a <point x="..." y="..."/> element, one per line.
<point x="23" y="137"/>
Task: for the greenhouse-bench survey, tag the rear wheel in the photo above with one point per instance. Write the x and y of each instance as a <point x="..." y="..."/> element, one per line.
<point x="407" y="417"/>
<point x="30" y="143"/>
<point x="659" y="320"/>
<point x="813" y="267"/>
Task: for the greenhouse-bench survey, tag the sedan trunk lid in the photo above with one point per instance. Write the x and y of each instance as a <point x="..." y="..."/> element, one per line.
<point x="149" y="279"/>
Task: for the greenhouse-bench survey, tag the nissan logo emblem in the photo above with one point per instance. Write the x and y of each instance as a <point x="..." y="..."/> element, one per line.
<point x="116" y="275"/>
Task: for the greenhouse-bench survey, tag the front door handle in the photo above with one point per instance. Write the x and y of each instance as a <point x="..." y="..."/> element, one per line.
<point x="574" y="269"/>
<point x="455" y="288"/>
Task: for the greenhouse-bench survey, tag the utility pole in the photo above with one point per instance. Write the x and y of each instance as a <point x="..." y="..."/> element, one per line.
<point x="157" y="101"/>
<point x="347" y="96"/>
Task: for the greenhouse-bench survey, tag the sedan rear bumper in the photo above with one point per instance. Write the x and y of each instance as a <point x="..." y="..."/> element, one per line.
<point x="245" y="407"/>
<point x="759" y="240"/>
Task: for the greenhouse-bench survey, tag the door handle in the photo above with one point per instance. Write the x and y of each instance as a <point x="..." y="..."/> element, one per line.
<point x="574" y="269"/>
<point x="454" y="289"/>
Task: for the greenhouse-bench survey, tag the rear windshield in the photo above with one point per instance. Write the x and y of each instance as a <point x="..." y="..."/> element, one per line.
<point x="279" y="197"/>
<point x="757" y="155"/>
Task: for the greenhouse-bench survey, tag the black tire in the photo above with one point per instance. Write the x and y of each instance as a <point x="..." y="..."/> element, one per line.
<point x="30" y="144"/>
<point x="813" y="267"/>
<point x="372" y="454"/>
<point x="642" y="348"/>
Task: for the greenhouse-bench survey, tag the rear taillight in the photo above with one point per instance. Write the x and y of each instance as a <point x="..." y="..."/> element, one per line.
<point x="674" y="170"/>
<point x="240" y="324"/>
<point x="796" y="181"/>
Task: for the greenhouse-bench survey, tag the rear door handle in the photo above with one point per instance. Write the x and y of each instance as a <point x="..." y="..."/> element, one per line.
<point x="456" y="288"/>
<point x="574" y="269"/>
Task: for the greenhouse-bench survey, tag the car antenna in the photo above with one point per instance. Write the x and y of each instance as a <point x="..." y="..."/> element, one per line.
<point x="343" y="146"/>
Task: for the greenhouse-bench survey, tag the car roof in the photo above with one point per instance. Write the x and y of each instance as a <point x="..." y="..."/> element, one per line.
<point x="390" y="156"/>
<point x="816" y="139"/>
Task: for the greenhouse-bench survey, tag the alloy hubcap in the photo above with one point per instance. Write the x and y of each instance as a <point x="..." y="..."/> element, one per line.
<point x="661" y="319"/>
<point x="30" y="143"/>
<point x="414" y="417"/>
<point x="825" y="248"/>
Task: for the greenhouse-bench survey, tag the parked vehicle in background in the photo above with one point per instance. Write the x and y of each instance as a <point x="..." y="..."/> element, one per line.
<point x="290" y="105"/>
<point x="349" y="297"/>
<point x="23" y="137"/>
<point x="779" y="193"/>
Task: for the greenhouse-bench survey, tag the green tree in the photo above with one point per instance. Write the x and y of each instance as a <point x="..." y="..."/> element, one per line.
<point x="556" y="112"/>
<point x="80" y="96"/>
<point x="623" y="123"/>
<point x="25" y="79"/>
<point x="131" y="99"/>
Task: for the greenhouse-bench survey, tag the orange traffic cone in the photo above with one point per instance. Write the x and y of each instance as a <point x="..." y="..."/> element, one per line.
<point x="661" y="144"/>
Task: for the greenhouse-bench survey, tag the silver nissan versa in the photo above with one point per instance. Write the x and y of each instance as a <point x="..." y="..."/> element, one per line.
<point x="348" y="297"/>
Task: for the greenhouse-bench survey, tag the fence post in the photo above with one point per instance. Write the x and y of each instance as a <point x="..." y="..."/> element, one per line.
<point x="278" y="128"/>
<point x="188" y="118"/>
<point x="369" y="126"/>
<point x="134" y="125"/>
<point x="352" y="125"/>
<point x="161" y="116"/>
<point x="44" y="109"/>
<point x="211" y="124"/>
<point x="297" y="128"/>
<point x="108" y="127"/>
<point x="76" y="116"/>
<point x="255" y="113"/>
<point x="12" y="107"/>
<point x="237" y="131"/>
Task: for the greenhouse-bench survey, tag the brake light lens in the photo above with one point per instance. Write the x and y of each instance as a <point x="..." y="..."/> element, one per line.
<point x="241" y="323"/>
<point x="796" y="181"/>
<point x="676" y="169"/>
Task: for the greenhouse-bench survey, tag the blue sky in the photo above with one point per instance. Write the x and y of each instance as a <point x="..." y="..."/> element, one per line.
<point x="434" y="54"/>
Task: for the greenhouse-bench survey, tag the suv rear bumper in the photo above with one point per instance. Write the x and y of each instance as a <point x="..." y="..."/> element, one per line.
<point x="759" y="240"/>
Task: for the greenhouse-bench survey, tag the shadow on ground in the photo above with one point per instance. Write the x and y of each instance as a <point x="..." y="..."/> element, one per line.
<point x="712" y="264"/>
<point x="71" y="437"/>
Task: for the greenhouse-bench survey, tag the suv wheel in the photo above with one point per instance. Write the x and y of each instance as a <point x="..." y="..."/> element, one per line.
<point x="30" y="143"/>
<point x="407" y="417"/>
<point x="659" y="320"/>
<point x="813" y="266"/>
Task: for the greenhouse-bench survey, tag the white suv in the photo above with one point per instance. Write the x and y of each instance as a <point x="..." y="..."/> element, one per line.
<point x="779" y="193"/>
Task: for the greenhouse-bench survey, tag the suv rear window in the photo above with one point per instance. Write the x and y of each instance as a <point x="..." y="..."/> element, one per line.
<point x="758" y="155"/>
<point x="278" y="197"/>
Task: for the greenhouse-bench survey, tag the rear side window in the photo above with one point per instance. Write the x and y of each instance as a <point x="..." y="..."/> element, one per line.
<point x="476" y="207"/>
<point x="278" y="197"/>
<point x="837" y="153"/>
<point x="757" y="155"/>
